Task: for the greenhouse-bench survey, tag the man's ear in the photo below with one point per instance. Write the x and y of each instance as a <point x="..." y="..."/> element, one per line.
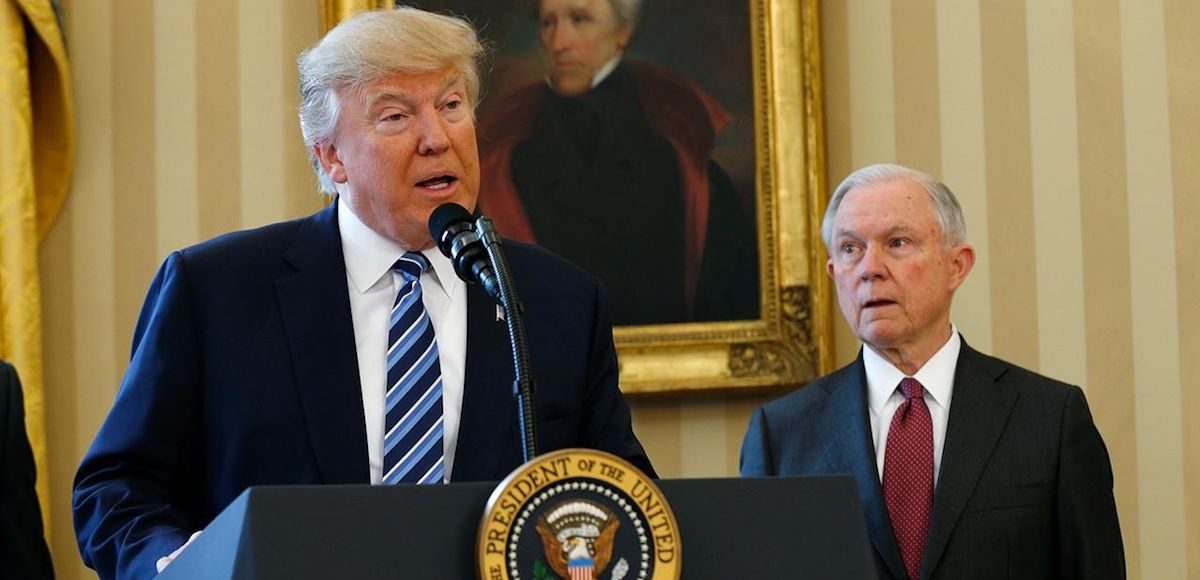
<point x="624" y="34"/>
<point x="962" y="259"/>
<point x="829" y="268"/>
<point x="331" y="162"/>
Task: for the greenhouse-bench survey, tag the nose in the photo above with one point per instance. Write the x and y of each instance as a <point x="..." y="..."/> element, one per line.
<point x="872" y="265"/>
<point x="561" y="37"/>
<point x="434" y="138"/>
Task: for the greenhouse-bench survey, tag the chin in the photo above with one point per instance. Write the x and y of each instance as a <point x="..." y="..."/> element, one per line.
<point x="414" y="241"/>
<point x="570" y="85"/>
<point x="879" y="335"/>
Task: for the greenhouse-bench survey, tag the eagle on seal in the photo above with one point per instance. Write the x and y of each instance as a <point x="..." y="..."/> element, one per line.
<point x="577" y="538"/>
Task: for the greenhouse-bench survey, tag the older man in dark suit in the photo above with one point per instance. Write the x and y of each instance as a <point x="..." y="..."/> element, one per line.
<point x="1011" y="481"/>
<point x="23" y="552"/>
<point x="342" y="348"/>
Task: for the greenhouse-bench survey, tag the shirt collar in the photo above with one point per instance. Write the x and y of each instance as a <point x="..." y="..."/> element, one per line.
<point x="370" y="256"/>
<point x="936" y="376"/>
<point x="606" y="70"/>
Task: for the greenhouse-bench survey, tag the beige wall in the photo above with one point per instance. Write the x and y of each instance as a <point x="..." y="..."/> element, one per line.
<point x="186" y="129"/>
<point x="1070" y="132"/>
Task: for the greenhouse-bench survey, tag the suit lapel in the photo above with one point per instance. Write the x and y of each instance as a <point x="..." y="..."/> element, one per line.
<point x="978" y="413"/>
<point x="315" y="306"/>
<point x="485" y="433"/>
<point x="847" y="447"/>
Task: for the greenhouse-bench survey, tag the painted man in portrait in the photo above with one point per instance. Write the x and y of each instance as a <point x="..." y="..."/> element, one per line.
<point x="607" y="162"/>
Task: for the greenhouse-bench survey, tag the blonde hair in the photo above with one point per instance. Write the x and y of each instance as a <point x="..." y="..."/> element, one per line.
<point x="371" y="45"/>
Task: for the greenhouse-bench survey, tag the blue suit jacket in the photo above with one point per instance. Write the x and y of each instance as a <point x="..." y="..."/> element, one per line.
<point x="1025" y="488"/>
<point x="23" y="552"/>
<point x="244" y="372"/>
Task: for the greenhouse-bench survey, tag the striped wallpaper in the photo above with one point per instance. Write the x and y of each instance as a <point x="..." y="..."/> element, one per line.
<point x="186" y="129"/>
<point x="1071" y="133"/>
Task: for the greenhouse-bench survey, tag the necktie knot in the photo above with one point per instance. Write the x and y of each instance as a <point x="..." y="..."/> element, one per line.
<point x="411" y="265"/>
<point x="911" y="388"/>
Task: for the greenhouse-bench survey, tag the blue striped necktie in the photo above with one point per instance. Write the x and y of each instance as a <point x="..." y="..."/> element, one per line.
<point x="412" y="440"/>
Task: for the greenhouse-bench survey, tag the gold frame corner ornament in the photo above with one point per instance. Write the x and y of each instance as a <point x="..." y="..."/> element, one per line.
<point x="791" y="342"/>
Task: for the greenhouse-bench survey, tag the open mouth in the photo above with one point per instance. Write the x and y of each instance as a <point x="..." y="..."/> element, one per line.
<point x="439" y="182"/>
<point x="877" y="303"/>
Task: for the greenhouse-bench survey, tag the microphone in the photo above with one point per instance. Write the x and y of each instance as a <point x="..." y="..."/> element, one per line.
<point x="452" y="228"/>
<point x="475" y="250"/>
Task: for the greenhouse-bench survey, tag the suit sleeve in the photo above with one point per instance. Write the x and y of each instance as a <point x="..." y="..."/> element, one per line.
<point x="137" y="488"/>
<point x="23" y="552"/>
<point x="1089" y="534"/>
<point x="756" y="448"/>
<point x="607" y="424"/>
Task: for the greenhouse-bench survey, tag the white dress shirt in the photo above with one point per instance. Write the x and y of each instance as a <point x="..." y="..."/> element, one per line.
<point x="883" y="396"/>
<point x="373" y="286"/>
<point x="601" y="73"/>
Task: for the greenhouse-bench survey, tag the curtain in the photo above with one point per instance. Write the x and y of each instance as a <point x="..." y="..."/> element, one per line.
<point x="36" y="156"/>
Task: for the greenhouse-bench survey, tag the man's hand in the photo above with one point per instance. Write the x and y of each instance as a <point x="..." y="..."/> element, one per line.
<point x="165" y="561"/>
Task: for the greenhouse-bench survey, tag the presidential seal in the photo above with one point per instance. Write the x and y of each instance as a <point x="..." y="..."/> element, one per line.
<point x="578" y="514"/>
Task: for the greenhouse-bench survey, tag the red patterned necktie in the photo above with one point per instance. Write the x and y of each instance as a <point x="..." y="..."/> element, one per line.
<point x="908" y="474"/>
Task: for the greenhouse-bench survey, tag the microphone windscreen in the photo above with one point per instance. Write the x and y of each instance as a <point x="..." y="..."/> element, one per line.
<point x="444" y="216"/>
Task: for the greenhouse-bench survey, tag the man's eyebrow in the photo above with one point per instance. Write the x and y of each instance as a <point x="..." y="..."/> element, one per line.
<point x="406" y="99"/>
<point x="449" y="82"/>
<point x="844" y="233"/>
<point x="390" y="97"/>
<point x="901" y="228"/>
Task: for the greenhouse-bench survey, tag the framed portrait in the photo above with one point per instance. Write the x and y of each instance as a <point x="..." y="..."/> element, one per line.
<point x="674" y="149"/>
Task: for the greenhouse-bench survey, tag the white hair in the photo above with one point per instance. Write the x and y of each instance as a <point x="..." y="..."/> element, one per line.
<point x="946" y="207"/>
<point x="372" y="45"/>
<point x="627" y="11"/>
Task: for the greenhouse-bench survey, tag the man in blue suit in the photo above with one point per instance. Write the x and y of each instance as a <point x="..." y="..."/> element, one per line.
<point x="23" y="552"/>
<point x="1012" y="481"/>
<point x="261" y="357"/>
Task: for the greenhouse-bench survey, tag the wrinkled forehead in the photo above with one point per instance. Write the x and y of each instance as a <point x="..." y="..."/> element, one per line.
<point x="890" y="205"/>
<point x="405" y="87"/>
<point x="601" y="8"/>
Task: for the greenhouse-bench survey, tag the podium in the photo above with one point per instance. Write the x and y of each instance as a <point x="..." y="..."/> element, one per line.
<point x="790" y="527"/>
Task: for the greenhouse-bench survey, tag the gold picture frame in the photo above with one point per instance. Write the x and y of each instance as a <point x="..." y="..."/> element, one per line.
<point x="791" y="342"/>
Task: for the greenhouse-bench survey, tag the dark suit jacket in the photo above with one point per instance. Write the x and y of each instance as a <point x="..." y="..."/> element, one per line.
<point x="578" y="174"/>
<point x="23" y="552"/>
<point x="244" y="373"/>
<point x="1025" y="488"/>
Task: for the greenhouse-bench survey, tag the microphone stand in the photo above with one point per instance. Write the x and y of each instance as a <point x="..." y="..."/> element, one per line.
<point x="523" y="385"/>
